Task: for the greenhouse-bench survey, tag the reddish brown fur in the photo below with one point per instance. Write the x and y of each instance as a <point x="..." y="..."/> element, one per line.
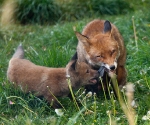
<point x="96" y="47"/>
<point x="43" y="80"/>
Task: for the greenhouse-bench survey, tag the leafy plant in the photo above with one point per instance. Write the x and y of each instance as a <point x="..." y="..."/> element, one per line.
<point x="48" y="11"/>
<point x="111" y="7"/>
<point x="77" y="9"/>
<point x="36" y="11"/>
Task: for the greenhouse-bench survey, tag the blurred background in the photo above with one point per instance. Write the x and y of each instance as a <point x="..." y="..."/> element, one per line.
<point x="54" y="11"/>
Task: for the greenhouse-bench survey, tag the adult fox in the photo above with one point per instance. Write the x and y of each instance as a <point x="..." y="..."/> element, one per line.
<point x="101" y="44"/>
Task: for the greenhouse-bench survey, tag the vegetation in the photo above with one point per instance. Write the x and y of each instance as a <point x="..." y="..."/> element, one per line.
<point x="37" y="11"/>
<point x="53" y="46"/>
<point x="50" y="11"/>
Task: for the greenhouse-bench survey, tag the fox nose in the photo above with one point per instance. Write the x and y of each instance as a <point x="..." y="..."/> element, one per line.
<point x="112" y="67"/>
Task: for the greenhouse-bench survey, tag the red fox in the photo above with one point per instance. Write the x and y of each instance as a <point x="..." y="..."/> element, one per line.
<point x="44" y="81"/>
<point x="101" y="44"/>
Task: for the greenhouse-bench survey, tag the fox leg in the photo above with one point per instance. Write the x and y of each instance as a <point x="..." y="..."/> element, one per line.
<point x="121" y="75"/>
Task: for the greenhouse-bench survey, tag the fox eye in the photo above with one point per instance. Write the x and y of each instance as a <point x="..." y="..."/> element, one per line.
<point x="99" y="56"/>
<point x="113" y="51"/>
<point x="87" y="71"/>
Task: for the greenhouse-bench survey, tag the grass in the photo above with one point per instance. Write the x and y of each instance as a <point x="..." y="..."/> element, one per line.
<point x="53" y="46"/>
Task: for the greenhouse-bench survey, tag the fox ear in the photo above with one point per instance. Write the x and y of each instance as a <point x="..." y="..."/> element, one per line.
<point x="107" y="27"/>
<point x="82" y="38"/>
<point x="75" y="65"/>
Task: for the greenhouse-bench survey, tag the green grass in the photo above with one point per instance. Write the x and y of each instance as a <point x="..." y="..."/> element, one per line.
<point x="53" y="46"/>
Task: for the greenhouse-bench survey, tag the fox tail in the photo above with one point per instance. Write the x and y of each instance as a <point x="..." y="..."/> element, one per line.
<point x="19" y="53"/>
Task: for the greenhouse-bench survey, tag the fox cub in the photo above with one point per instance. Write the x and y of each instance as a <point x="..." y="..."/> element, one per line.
<point x="48" y="82"/>
<point x="101" y="44"/>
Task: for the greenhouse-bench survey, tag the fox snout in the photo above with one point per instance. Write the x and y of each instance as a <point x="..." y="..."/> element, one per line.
<point x="110" y="67"/>
<point x="107" y="68"/>
<point x="95" y="76"/>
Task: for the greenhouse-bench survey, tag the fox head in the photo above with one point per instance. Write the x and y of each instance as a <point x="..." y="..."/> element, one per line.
<point x="100" y="49"/>
<point x="82" y="73"/>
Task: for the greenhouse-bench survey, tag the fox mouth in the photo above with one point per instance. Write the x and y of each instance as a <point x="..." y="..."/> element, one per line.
<point x="93" y="80"/>
<point x="109" y="71"/>
<point x="103" y="69"/>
